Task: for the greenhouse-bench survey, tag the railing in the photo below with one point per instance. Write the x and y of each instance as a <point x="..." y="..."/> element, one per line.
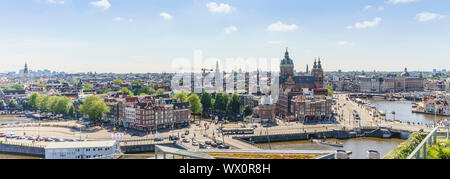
<point x="421" y="152"/>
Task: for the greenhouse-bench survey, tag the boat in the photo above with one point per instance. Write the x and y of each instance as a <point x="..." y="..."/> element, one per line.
<point x="330" y="143"/>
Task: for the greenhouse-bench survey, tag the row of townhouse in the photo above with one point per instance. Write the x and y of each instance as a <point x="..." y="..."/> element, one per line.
<point x="148" y="113"/>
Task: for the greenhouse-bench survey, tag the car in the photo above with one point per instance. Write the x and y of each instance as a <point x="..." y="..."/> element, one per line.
<point x="71" y="140"/>
<point x="186" y="132"/>
<point x="174" y="138"/>
<point x="194" y="143"/>
<point x="208" y="142"/>
<point x="48" y="139"/>
<point x="182" y="136"/>
<point x="10" y="136"/>
<point x="31" y="138"/>
<point x="254" y="126"/>
<point x="219" y="143"/>
<point x="158" y="139"/>
<point x="59" y="140"/>
<point x="40" y="139"/>
<point x="2" y="135"/>
<point x="214" y="145"/>
<point x="226" y="146"/>
<point x="186" y="140"/>
<point x="202" y="146"/>
<point x="20" y="137"/>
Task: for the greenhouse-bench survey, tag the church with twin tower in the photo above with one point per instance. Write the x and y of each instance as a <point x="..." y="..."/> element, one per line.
<point x="294" y="85"/>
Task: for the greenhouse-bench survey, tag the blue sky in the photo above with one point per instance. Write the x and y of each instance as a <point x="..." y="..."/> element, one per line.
<point x="146" y="35"/>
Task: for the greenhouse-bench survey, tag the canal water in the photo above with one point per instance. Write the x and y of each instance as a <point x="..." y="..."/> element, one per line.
<point x="9" y="156"/>
<point x="403" y="111"/>
<point x="358" y="146"/>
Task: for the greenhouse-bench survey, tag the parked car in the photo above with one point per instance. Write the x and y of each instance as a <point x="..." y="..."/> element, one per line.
<point x="40" y="139"/>
<point x="59" y="140"/>
<point x="174" y="138"/>
<point x="48" y="139"/>
<point x="186" y="140"/>
<point x="194" y="143"/>
<point x="2" y="135"/>
<point x="182" y="136"/>
<point x="31" y="138"/>
<point x="20" y="137"/>
<point x="71" y="140"/>
<point x="186" y="132"/>
<point x="214" y="145"/>
<point x="208" y="142"/>
<point x="202" y="146"/>
<point x="158" y="139"/>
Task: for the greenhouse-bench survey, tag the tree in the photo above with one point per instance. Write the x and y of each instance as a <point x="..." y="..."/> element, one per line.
<point x="330" y="90"/>
<point x="2" y="105"/>
<point x="235" y="106"/>
<point x="118" y="82"/>
<point x="247" y="111"/>
<point x="196" y="105"/>
<point x="126" y="90"/>
<point x="87" y="87"/>
<point x="161" y="91"/>
<point x="17" y="87"/>
<point x="35" y="100"/>
<point x="94" y="107"/>
<point x="220" y="102"/>
<point x="206" y="102"/>
<point x="12" y="103"/>
<point x="182" y="96"/>
<point x="136" y="82"/>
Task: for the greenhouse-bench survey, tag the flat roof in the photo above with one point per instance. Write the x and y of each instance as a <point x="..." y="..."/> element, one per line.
<point x="86" y="144"/>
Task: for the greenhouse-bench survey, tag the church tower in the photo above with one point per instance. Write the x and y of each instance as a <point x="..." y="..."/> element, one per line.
<point x="286" y="66"/>
<point x="25" y="71"/>
<point x="317" y="72"/>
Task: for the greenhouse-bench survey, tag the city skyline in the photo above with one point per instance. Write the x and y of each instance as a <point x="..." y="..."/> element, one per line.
<point x="145" y="36"/>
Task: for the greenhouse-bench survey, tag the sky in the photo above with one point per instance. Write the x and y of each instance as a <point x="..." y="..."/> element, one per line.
<point x="141" y="36"/>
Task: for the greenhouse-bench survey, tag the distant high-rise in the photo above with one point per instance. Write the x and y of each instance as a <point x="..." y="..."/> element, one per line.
<point x="25" y="71"/>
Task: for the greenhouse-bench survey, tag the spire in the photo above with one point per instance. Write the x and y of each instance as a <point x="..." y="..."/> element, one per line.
<point x="287" y="53"/>
<point x="320" y="65"/>
<point x="307" y="69"/>
<point x="315" y="64"/>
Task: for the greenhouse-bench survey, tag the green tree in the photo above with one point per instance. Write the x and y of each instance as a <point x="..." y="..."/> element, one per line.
<point x="330" y="90"/>
<point x="126" y="90"/>
<point x="234" y="106"/>
<point x="45" y="103"/>
<point x="206" y="102"/>
<point x="118" y="82"/>
<point x="160" y="91"/>
<point x="35" y="100"/>
<point x="2" y="105"/>
<point x="12" y="103"/>
<point x="196" y="105"/>
<point x="94" y="107"/>
<point x="136" y="82"/>
<point x="247" y="111"/>
<point x="220" y="102"/>
<point x="87" y="87"/>
<point x="182" y="96"/>
<point x="17" y="87"/>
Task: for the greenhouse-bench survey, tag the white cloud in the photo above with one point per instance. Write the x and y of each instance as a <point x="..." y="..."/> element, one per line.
<point x="366" y="24"/>
<point x="345" y="43"/>
<point x="428" y="16"/>
<point x="230" y="29"/>
<point x="367" y="7"/>
<point x="101" y="4"/>
<point x="56" y="1"/>
<point x="401" y="1"/>
<point x="281" y="27"/>
<point x="219" y="8"/>
<point x="166" y="16"/>
<point x="120" y="19"/>
<point x="275" y="42"/>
